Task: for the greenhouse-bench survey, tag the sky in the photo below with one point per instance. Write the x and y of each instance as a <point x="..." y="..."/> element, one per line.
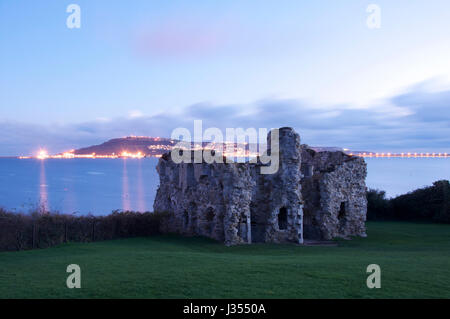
<point x="147" y="67"/>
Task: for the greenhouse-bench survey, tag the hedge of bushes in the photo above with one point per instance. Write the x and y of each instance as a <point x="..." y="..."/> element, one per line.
<point x="42" y="230"/>
<point x="426" y="204"/>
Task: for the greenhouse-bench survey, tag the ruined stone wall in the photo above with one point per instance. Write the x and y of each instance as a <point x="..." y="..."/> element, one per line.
<point x="234" y="202"/>
<point x="204" y="199"/>
<point x="313" y="195"/>
<point x="281" y="194"/>
<point x="343" y="200"/>
<point x="334" y="191"/>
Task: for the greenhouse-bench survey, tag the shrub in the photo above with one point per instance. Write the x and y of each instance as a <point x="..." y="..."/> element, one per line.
<point x="42" y="230"/>
<point x="427" y="204"/>
<point x="430" y="203"/>
<point x="15" y="231"/>
<point x="378" y="206"/>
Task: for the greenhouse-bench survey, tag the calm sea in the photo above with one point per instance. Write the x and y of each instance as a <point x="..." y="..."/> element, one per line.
<point x="99" y="186"/>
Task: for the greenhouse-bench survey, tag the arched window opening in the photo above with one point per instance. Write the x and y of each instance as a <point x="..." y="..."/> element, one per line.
<point x="342" y="212"/>
<point x="282" y="218"/>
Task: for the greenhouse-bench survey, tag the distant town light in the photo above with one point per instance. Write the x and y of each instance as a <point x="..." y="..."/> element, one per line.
<point x="43" y="154"/>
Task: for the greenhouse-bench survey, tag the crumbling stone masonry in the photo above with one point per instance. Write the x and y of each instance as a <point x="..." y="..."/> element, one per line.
<point x="313" y="196"/>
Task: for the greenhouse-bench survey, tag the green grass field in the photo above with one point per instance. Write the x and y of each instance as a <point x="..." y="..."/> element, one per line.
<point x="414" y="260"/>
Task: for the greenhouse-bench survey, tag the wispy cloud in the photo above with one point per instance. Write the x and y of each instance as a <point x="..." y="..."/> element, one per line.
<point x="417" y="120"/>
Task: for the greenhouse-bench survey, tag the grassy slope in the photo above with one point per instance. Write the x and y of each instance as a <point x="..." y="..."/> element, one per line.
<point x="414" y="260"/>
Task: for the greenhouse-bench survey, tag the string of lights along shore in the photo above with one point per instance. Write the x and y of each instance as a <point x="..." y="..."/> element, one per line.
<point x="43" y="154"/>
<point x="404" y="155"/>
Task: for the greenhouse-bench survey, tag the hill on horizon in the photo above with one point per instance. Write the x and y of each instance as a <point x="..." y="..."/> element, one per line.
<point x="148" y="146"/>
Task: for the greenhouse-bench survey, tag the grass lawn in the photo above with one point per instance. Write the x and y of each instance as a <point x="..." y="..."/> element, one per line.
<point x="414" y="260"/>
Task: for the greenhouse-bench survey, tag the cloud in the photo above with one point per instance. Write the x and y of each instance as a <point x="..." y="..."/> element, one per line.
<point x="135" y="113"/>
<point x="418" y="120"/>
<point x="429" y="107"/>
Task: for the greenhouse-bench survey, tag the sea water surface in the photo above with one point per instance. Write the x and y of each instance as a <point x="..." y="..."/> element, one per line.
<point x="83" y="186"/>
<point x="99" y="186"/>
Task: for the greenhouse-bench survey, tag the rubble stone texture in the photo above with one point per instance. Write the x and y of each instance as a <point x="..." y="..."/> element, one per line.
<point x="312" y="196"/>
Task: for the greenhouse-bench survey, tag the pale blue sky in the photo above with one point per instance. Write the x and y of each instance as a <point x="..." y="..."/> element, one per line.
<point x="153" y="60"/>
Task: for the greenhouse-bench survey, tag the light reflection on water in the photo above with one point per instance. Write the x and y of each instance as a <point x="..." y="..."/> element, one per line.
<point x="126" y="204"/>
<point x="43" y="194"/>
<point x="140" y="190"/>
<point x="99" y="186"/>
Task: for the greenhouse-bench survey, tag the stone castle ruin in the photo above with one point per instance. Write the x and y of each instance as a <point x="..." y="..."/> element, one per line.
<point x="312" y="196"/>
